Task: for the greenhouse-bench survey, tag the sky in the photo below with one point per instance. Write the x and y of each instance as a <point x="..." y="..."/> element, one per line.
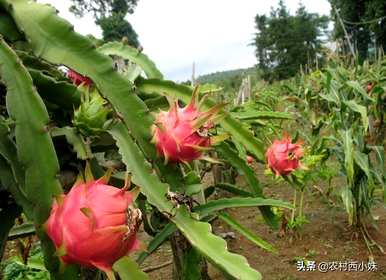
<point x="214" y="34"/>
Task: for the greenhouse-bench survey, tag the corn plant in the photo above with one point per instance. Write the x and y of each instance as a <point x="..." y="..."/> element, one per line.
<point x="115" y="133"/>
<point x="346" y="102"/>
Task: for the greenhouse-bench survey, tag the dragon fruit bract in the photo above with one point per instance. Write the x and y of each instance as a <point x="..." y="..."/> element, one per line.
<point x="78" y="79"/>
<point x="283" y="157"/>
<point x="180" y="134"/>
<point x="94" y="225"/>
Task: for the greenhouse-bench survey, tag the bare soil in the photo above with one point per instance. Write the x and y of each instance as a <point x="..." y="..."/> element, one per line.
<point x="326" y="238"/>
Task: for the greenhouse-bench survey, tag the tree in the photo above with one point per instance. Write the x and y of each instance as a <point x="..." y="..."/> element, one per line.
<point x="365" y="22"/>
<point x="262" y="42"/>
<point x="351" y="11"/>
<point x="115" y="27"/>
<point x="376" y="11"/>
<point x="103" y="8"/>
<point x="285" y="42"/>
<point x="110" y="16"/>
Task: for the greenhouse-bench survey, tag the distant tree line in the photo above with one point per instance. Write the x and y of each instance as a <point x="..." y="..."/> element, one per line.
<point x="230" y="80"/>
<point x="286" y="42"/>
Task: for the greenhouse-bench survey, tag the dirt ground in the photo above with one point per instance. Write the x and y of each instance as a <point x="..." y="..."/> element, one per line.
<point x="326" y="238"/>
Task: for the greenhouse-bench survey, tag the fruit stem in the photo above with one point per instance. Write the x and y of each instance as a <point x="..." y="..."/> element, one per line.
<point x="294" y="208"/>
<point x="301" y="203"/>
<point x="110" y="275"/>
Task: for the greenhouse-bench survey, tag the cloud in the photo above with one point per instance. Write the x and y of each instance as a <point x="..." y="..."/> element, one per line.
<point x="214" y="34"/>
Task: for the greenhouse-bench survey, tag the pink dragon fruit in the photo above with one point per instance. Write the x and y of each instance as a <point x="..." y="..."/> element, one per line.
<point x="180" y="134"/>
<point x="78" y="79"/>
<point x="283" y="156"/>
<point x="250" y="160"/>
<point x="94" y="225"/>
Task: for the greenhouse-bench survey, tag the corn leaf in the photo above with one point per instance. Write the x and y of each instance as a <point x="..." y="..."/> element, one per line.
<point x="224" y="203"/>
<point x="247" y="233"/>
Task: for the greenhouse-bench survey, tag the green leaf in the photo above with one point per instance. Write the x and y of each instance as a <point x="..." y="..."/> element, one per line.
<point x="34" y="63"/>
<point x="231" y="125"/>
<point x="8" y="214"/>
<point x="191" y="265"/>
<point x="157" y="103"/>
<point x="9" y="153"/>
<point x="362" y="160"/>
<point x="233" y="189"/>
<point x="53" y="39"/>
<point x="133" y="55"/>
<point x="348" y="202"/>
<point x="380" y="155"/>
<point x="20" y="231"/>
<point x="252" y="115"/>
<point x="331" y="97"/>
<point x="247" y="233"/>
<point x="356" y="87"/>
<point x="348" y="148"/>
<point x="223" y="203"/>
<point x="233" y="158"/>
<point x="129" y="270"/>
<point x="82" y="150"/>
<point x="8" y="28"/>
<point x="39" y="161"/>
<point x="59" y="93"/>
<point x="332" y="90"/>
<point x="35" y="149"/>
<point x="379" y="171"/>
<point x="7" y="180"/>
<point x="198" y="233"/>
<point x="193" y="189"/>
<point x="362" y="110"/>
<point x="157" y="241"/>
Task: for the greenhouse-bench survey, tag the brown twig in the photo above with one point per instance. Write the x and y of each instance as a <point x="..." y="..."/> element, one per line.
<point x="156" y="267"/>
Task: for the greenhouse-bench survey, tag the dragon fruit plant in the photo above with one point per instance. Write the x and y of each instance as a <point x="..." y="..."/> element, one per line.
<point x="50" y="130"/>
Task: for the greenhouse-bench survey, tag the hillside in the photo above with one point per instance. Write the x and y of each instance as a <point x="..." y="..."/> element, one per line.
<point x="229" y="80"/>
<point x="220" y="76"/>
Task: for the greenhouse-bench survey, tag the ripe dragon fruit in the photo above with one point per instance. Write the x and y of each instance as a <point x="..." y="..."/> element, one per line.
<point x="181" y="134"/>
<point x="369" y="87"/>
<point x="250" y="160"/>
<point x="283" y="157"/>
<point x="94" y="225"/>
<point x="78" y="79"/>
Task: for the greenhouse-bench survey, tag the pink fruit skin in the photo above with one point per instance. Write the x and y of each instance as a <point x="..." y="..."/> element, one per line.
<point x="78" y="79"/>
<point x="175" y="136"/>
<point x="283" y="157"/>
<point x="250" y="159"/>
<point x="89" y="226"/>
